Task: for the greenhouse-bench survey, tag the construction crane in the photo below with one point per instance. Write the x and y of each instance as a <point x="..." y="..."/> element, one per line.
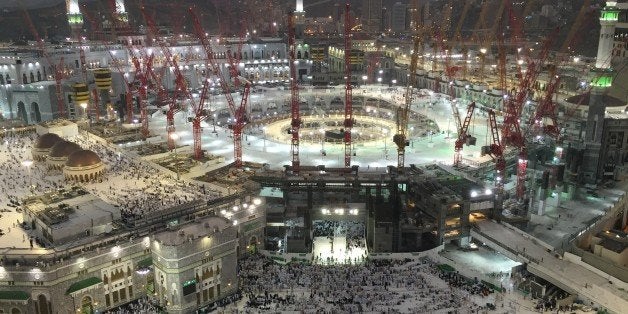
<point x="295" y="124"/>
<point x="511" y="128"/>
<point x="348" y="123"/>
<point x="547" y="108"/>
<point x="463" y="17"/>
<point x="239" y="113"/>
<point x="58" y="69"/>
<point x="463" y="132"/>
<point x="181" y="88"/>
<point x="496" y="151"/>
<point x="400" y="138"/>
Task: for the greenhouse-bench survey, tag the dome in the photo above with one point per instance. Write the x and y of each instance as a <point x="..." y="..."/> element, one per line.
<point x="82" y="158"/>
<point x="47" y="140"/>
<point x="64" y="149"/>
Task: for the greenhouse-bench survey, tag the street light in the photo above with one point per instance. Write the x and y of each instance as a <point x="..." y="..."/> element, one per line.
<point x="84" y="106"/>
<point x="264" y="132"/>
<point x="175" y="137"/>
<point x="482" y="60"/>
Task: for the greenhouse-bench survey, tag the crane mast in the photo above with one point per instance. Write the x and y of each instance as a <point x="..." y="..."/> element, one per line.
<point x="58" y="72"/>
<point x="294" y="96"/>
<point x="239" y="113"/>
<point x="400" y="138"/>
<point x="348" y="123"/>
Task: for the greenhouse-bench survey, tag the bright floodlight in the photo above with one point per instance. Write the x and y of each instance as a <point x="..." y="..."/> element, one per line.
<point x="488" y="192"/>
<point x="257" y="201"/>
<point x="474" y="193"/>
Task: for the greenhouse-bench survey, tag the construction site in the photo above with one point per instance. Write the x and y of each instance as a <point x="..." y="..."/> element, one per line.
<point x="153" y="149"/>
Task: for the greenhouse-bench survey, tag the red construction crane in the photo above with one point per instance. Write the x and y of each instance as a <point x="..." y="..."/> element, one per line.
<point x="511" y="127"/>
<point x="181" y="89"/>
<point x="463" y="132"/>
<point x="400" y="138"/>
<point x="547" y="108"/>
<point x="294" y="95"/>
<point x="375" y="58"/>
<point x="58" y="69"/>
<point x="239" y="113"/>
<point x="348" y="124"/>
<point x="496" y="151"/>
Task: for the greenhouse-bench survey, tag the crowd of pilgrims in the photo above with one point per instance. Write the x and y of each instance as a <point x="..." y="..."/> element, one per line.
<point x="353" y="231"/>
<point x="377" y="286"/>
<point x="131" y="184"/>
<point x="140" y="306"/>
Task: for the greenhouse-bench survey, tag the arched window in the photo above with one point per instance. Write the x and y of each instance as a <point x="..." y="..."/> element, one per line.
<point x="42" y="304"/>
<point x="1" y="79"/>
<point x="298" y="54"/>
<point x="24" y="79"/>
<point x="307" y="55"/>
<point x="32" y="77"/>
<point x="38" y="76"/>
<point x="15" y="311"/>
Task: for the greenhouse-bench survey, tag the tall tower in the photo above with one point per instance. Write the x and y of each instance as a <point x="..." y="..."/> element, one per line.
<point x="299" y="18"/>
<point x="121" y="14"/>
<point x="608" y="20"/>
<point x="75" y="18"/>
<point x="600" y="84"/>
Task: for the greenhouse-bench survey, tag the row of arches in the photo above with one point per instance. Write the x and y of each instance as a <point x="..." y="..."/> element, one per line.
<point x="33" y="116"/>
<point x="84" y="177"/>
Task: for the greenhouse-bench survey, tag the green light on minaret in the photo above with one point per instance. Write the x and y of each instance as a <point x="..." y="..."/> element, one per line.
<point x="76" y="18"/>
<point x="603" y="80"/>
<point x="609" y="15"/>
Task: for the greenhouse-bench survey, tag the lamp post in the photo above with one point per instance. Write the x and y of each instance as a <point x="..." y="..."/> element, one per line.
<point x="175" y="137"/>
<point x="322" y="141"/>
<point x="482" y="62"/>
<point x="28" y="163"/>
<point x="264" y="131"/>
<point x="214" y="123"/>
<point x="84" y="106"/>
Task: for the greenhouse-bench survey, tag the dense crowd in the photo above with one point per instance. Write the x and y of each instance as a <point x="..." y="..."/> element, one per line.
<point x="376" y="286"/>
<point x="140" y="306"/>
<point x="133" y="185"/>
<point x="353" y="231"/>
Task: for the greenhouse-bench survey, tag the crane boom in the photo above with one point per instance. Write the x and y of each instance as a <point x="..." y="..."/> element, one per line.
<point x="348" y="123"/>
<point x="239" y="113"/>
<point x="400" y="138"/>
<point x="294" y="96"/>
<point x="58" y="73"/>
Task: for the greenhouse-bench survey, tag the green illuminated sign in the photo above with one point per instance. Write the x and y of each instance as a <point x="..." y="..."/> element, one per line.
<point x="609" y="15"/>
<point x="602" y="81"/>
<point x="75" y="18"/>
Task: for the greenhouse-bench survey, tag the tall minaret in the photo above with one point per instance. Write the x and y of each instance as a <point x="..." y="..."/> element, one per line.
<point x="75" y="18"/>
<point x="121" y="12"/>
<point x="608" y="19"/>
<point x="299" y="18"/>
<point x="602" y="81"/>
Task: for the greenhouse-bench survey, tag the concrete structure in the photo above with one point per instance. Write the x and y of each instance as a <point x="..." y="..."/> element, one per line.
<point x="434" y="208"/>
<point x="372" y="16"/>
<point x="399" y="14"/>
<point x="195" y="264"/>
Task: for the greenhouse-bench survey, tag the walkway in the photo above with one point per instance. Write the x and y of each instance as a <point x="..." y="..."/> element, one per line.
<point x="571" y="277"/>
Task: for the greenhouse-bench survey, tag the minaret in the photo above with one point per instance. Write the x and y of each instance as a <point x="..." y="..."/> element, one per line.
<point x="123" y="17"/>
<point x="75" y="18"/>
<point x="299" y="18"/>
<point x="602" y="81"/>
